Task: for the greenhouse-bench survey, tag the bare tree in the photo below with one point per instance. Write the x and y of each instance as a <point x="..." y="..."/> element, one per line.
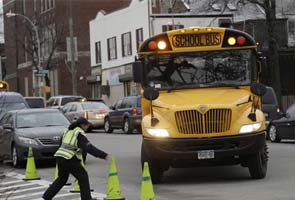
<point x="269" y="7"/>
<point x="51" y="35"/>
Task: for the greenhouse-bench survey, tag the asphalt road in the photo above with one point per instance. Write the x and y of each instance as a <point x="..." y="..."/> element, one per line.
<point x="211" y="183"/>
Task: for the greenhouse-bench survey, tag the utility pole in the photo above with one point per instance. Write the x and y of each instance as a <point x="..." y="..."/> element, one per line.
<point x="72" y="47"/>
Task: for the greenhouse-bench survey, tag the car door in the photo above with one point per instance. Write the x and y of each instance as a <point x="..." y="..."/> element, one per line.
<point x="288" y="129"/>
<point x="2" y="133"/>
<point x="71" y="112"/>
<point x="75" y="111"/>
<point x="7" y="134"/>
<point x="115" y="115"/>
<point x="125" y="109"/>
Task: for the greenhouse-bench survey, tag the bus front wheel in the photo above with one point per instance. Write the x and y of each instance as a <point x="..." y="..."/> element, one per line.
<point x="257" y="164"/>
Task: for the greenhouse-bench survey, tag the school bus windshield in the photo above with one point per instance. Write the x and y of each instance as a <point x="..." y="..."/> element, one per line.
<point x="200" y="69"/>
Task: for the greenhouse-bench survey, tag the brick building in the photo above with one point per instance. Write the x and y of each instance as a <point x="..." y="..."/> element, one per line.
<point x="51" y="18"/>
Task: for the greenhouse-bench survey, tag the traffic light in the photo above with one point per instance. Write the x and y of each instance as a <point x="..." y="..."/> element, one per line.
<point x="4" y="86"/>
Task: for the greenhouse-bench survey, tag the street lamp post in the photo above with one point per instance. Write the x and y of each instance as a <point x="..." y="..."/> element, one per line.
<point x="35" y="28"/>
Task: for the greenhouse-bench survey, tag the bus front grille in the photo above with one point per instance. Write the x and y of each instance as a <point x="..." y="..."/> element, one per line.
<point x="194" y="122"/>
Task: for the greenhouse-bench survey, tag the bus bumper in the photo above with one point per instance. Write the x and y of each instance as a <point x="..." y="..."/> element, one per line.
<point x="228" y="150"/>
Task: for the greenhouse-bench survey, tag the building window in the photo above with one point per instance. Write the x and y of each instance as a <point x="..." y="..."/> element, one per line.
<point x="97" y="52"/>
<point x="112" y="48"/>
<point x="35" y="5"/>
<point x="126" y="44"/>
<point x="154" y="3"/>
<point x="291" y="27"/>
<point x="139" y="37"/>
<point x="42" y="5"/>
<point x="127" y="88"/>
<point x="171" y="27"/>
<point x="226" y="23"/>
<point x="24" y="7"/>
<point x="26" y="49"/>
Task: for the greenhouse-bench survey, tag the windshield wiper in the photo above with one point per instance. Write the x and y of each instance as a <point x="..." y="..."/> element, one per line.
<point x="225" y="85"/>
<point x="173" y="87"/>
<point x="25" y="127"/>
<point x="249" y="100"/>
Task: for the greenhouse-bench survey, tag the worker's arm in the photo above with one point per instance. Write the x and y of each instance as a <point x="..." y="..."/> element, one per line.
<point x="86" y="146"/>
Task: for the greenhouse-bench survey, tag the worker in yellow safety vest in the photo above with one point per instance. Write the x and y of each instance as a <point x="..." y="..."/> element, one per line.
<point x="69" y="156"/>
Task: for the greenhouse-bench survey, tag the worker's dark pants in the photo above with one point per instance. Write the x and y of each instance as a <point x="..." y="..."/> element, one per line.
<point x="66" y="167"/>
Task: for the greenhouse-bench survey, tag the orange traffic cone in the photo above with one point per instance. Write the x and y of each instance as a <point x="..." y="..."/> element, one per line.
<point x="113" y="188"/>
<point x="147" y="191"/>
<point x="31" y="172"/>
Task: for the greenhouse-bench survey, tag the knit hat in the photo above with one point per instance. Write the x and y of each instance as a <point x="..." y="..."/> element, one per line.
<point x="81" y="120"/>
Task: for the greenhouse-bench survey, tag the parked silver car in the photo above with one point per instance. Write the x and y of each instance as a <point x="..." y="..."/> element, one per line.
<point x="94" y="112"/>
<point x="40" y="129"/>
<point x="60" y="100"/>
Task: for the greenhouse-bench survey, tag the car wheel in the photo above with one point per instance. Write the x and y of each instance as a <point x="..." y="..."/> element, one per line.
<point x="107" y="126"/>
<point x="126" y="126"/>
<point x="272" y="132"/>
<point x="155" y="169"/>
<point x="257" y="164"/>
<point x="16" y="161"/>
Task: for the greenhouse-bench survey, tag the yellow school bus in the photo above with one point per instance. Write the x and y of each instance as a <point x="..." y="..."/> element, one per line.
<point x="201" y="101"/>
<point x="4" y="86"/>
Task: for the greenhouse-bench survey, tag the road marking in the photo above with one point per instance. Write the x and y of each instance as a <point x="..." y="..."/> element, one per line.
<point x="10" y="182"/>
<point x="16" y="186"/>
<point x="61" y="195"/>
<point x="43" y="184"/>
<point x="24" y="190"/>
<point x="25" y="195"/>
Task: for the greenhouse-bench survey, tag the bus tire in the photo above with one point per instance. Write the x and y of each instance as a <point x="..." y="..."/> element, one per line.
<point x="257" y="164"/>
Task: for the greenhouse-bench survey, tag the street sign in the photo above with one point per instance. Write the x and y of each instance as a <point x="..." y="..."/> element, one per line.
<point x="41" y="72"/>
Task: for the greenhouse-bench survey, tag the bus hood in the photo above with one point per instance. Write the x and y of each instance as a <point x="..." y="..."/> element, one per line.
<point x="210" y="96"/>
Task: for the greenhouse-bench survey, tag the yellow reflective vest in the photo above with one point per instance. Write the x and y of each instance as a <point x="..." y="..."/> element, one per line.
<point x="69" y="146"/>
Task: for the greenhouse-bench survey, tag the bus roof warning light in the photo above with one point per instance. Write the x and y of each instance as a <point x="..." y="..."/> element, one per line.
<point x="162" y="45"/>
<point x="231" y="41"/>
<point x="152" y="45"/>
<point x="241" y="40"/>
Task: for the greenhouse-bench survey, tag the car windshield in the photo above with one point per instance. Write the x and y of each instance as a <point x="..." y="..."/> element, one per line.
<point x="7" y="106"/>
<point x="94" y="105"/>
<point x="200" y="69"/>
<point x="41" y="119"/>
<point x="269" y="97"/>
<point x="35" y="103"/>
<point x="70" y="99"/>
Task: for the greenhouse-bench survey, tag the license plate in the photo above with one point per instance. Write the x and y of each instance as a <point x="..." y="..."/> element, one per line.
<point x="206" y="154"/>
<point x="99" y="116"/>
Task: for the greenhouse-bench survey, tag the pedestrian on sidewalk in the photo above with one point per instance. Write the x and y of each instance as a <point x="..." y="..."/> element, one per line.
<point x="69" y="157"/>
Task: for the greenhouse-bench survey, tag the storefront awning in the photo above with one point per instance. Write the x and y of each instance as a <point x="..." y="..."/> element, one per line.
<point x="125" y="77"/>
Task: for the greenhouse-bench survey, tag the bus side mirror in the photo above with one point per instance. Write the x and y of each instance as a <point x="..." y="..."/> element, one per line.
<point x="137" y="71"/>
<point x="258" y="89"/>
<point x="151" y="93"/>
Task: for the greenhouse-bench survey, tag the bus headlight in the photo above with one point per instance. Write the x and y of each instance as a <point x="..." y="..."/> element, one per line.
<point x="157" y="132"/>
<point x="249" y="128"/>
